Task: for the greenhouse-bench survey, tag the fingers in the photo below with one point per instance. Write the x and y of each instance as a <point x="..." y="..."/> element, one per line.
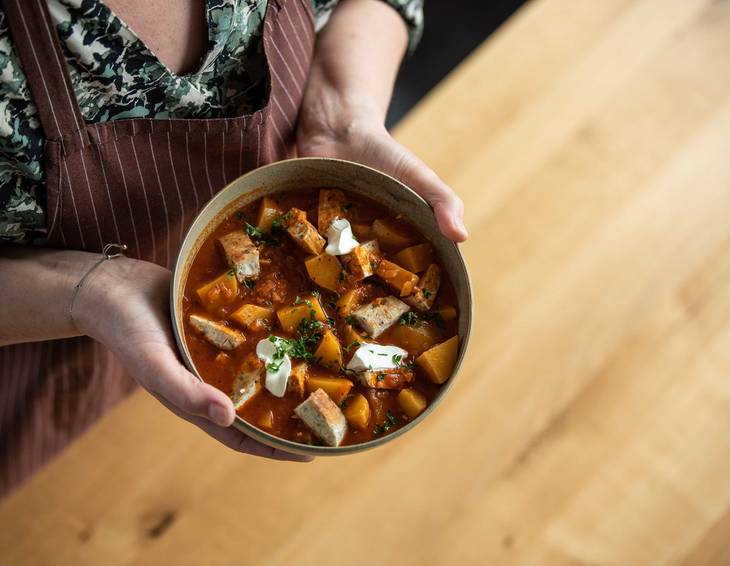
<point x="448" y="207"/>
<point x="235" y="439"/>
<point x="166" y="377"/>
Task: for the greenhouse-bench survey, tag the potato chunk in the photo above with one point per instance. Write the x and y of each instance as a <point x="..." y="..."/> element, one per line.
<point x="349" y="301"/>
<point x="269" y="210"/>
<point x="397" y="278"/>
<point x="216" y="333"/>
<point x="242" y="255"/>
<point x="308" y="308"/>
<point x="411" y="402"/>
<point x="390" y="234"/>
<point x="329" y="352"/>
<point x="425" y="291"/>
<point x="323" y="417"/>
<point x="332" y="204"/>
<point x="415" y="339"/>
<point x="363" y="260"/>
<point x="446" y="312"/>
<point x="219" y="292"/>
<point x="438" y="362"/>
<point x="357" y="411"/>
<point x="325" y="270"/>
<point x="416" y="258"/>
<point x="303" y="233"/>
<point x="336" y="387"/>
<point x="253" y="317"/>
<point x="380" y="314"/>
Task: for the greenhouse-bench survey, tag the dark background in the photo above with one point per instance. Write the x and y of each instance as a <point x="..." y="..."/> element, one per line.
<point x="453" y="28"/>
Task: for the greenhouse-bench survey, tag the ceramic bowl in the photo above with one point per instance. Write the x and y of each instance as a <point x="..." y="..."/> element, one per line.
<point x="302" y="173"/>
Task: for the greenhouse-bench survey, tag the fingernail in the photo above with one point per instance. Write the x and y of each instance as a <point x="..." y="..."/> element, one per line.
<point x="218" y="414"/>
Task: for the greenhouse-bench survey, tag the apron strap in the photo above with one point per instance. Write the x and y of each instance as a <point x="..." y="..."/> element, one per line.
<point x="44" y="64"/>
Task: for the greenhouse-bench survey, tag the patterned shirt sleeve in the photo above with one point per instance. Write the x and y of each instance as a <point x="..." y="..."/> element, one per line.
<point x="410" y="10"/>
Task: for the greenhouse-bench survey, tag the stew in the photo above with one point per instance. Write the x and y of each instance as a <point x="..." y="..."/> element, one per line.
<point x="328" y="319"/>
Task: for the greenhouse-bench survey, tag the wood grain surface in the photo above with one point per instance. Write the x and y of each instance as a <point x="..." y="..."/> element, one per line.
<point x="591" y="421"/>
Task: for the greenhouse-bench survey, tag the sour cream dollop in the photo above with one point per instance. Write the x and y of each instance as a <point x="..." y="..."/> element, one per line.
<point x="376" y="357"/>
<point x="339" y="238"/>
<point x="277" y="380"/>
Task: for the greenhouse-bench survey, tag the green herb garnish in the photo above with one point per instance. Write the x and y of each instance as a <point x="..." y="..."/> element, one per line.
<point x="409" y="319"/>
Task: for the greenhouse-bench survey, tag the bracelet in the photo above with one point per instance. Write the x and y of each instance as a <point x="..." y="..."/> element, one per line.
<point x="110" y="251"/>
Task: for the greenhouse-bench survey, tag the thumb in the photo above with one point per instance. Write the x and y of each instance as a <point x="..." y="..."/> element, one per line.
<point x="166" y="377"/>
<point x="391" y="157"/>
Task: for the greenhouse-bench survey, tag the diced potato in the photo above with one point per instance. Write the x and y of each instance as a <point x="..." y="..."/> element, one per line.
<point x="303" y="233"/>
<point x="415" y="339"/>
<point x="357" y="411"/>
<point x="332" y="204"/>
<point x="363" y="260"/>
<point x="425" y="291"/>
<point x="329" y="352"/>
<point x="396" y="277"/>
<point x="390" y="235"/>
<point x="446" y="312"/>
<point x="269" y="210"/>
<point x="253" y="317"/>
<point x="325" y="270"/>
<point x="221" y="291"/>
<point x="350" y="336"/>
<point x="349" y="301"/>
<point x="298" y="378"/>
<point x="411" y="402"/>
<point x="362" y="231"/>
<point x="266" y="420"/>
<point x="438" y="362"/>
<point x="336" y="387"/>
<point x="290" y="317"/>
<point x="416" y="258"/>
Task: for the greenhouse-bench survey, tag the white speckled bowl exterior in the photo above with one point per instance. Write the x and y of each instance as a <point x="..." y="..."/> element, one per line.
<point x="305" y="173"/>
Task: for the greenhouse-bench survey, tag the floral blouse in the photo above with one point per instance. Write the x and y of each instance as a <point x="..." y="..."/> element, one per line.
<point x="115" y="76"/>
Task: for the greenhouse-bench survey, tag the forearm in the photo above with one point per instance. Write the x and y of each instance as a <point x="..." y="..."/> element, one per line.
<point x="37" y="287"/>
<point x="356" y="60"/>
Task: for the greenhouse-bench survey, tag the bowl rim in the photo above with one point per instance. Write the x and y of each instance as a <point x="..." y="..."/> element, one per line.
<point x="268" y="438"/>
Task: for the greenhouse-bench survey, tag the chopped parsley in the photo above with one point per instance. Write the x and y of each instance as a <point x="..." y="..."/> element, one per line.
<point x="427" y="293"/>
<point x="255" y="232"/>
<point x="349" y="319"/>
<point x="300" y="301"/>
<point x="230" y="273"/>
<point x="347" y="206"/>
<point x="249" y="283"/>
<point x="351" y="345"/>
<point x="341" y="277"/>
<point x="409" y="319"/>
<point x="380" y="377"/>
<point x="385" y="426"/>
<point x="397" y="358"/>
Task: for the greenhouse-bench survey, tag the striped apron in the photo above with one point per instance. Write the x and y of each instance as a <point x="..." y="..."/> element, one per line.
<point x="140" y="182"/>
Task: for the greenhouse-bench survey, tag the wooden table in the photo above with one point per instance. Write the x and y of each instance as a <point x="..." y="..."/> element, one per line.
<point x="591" y="422"/>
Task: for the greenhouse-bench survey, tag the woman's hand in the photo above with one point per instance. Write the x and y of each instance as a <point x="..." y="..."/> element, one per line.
<point x="347" y="95"/>
<point x="368" y="142"/>
<point x="124" y="305"/>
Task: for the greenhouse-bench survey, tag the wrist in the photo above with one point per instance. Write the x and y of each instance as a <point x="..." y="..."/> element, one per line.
<point x="102" y="292"/>
<point x="337" y="114"/>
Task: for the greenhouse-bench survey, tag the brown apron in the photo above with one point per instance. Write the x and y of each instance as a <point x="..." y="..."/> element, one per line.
<point x="140" y="182"/>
